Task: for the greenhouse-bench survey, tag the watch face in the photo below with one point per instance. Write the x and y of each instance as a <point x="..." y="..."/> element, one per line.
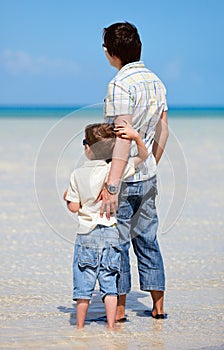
<point x="112" y="189"/>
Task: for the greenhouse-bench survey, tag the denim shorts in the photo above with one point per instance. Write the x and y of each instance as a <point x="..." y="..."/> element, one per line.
<point x="97" y="256"/>
<point x="138" y="222"/>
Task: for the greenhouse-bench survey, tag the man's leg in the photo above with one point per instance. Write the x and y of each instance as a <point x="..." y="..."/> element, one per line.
<point x="158" y="299"/>
<point x="146" y="247"/>
<point x="124" y="224"/>
<point x="129" y="193"/>
<point x="121" y="302"/>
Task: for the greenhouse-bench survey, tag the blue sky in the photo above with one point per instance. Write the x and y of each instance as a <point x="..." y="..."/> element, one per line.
<point x="50" y="51"/>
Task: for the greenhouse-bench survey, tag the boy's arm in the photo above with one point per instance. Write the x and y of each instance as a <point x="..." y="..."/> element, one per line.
<point x="127" y="132"/>
<point x="119" y="161"/>
<point x="72" y="206"/>
<point x="120" y="153"/>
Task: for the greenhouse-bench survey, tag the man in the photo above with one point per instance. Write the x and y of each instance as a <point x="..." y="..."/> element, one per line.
<point x="136" y="95"/>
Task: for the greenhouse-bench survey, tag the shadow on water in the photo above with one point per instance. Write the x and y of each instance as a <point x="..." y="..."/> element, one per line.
<point x="96" y="311"/>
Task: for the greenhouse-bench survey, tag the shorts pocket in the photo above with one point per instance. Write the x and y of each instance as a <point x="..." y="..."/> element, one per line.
<point x="112" y="258"/>
<point x="88" y="256"/>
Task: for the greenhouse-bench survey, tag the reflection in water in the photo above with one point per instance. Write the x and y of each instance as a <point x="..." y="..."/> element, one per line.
<point x="139" y="325"/>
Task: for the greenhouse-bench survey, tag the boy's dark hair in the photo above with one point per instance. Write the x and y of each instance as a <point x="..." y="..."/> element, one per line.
<point x="122" y="40"/>
<point x="101" y="139"/>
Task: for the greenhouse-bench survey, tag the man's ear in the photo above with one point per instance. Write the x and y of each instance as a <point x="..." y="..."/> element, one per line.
<point x="117" y="62"/>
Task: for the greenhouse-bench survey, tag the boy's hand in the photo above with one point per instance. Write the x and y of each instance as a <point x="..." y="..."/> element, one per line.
<point x="126" y="131"/>
<point x="65" y="194"/>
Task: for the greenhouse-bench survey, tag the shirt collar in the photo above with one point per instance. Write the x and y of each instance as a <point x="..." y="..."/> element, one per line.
<point x="137" y="64"/>
<point x="95" y="162"/>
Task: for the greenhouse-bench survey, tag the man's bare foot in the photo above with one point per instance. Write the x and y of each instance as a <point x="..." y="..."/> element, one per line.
<point x="121" y="320"/>
<point x="158" y="316"/>
<point x="157" y="312"/>
<point x="158" y="298"/>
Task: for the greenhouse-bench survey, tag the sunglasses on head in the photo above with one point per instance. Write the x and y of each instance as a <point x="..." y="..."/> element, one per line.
<point x="104" y="47"/>
<point x="84" y="142"/>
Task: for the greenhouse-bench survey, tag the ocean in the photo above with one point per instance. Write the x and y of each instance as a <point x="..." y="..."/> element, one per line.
<point x="19" y="111"/>
<point x="39" y="148"/>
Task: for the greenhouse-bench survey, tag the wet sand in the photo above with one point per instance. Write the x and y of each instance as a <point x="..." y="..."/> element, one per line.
<point x="36" y="248"/>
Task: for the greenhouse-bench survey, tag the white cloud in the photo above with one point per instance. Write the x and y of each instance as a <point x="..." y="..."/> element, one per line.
<point x="20" y="62"/>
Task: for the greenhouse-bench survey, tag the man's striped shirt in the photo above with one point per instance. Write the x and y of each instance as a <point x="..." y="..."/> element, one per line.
<point x="138" y="92"/>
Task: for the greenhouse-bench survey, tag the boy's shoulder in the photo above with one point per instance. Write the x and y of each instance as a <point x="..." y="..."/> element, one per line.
<point x="89" y="165"/>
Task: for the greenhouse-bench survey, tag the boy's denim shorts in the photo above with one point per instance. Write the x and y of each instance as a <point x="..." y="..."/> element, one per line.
<point x="138" y="222"/>
<point x="97" y="255"/>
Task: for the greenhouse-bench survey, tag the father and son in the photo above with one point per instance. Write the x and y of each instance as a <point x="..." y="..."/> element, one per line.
<point x="114" y="191"/>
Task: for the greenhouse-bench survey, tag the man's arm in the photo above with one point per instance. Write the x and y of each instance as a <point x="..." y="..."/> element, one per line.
<point x="120" y="153"/>
<point x="119" y="161"/>
<point x="161" y="136"/>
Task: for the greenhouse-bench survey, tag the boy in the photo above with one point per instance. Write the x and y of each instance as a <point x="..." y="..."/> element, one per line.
<point x="97" y="251"/>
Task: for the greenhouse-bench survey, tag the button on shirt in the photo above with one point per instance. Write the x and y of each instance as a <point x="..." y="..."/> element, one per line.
<point x="138" y="92"/>
<point x="85" y="186"/>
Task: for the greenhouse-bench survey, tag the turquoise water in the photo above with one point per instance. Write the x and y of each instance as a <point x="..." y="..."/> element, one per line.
<point x="61" y="111"/>
<point x="37" y="236"/>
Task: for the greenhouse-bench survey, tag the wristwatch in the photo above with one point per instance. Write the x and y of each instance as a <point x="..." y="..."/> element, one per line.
<point x="112" y="189"/>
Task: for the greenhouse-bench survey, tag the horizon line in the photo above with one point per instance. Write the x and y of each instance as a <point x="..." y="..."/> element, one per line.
<point x="70" y="106"/>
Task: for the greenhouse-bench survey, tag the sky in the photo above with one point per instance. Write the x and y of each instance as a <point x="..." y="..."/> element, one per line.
<point x="51" y="51"/>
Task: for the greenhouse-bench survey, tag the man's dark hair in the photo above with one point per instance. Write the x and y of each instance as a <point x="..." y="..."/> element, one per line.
<point x="122" y="40"/>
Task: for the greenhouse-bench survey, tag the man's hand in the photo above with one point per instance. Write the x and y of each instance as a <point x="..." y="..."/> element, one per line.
<point x="119" y="161"/>
<point x="109" y="203"/>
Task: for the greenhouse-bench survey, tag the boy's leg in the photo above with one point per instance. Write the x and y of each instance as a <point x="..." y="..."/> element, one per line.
<point x="84" y="275"/>
<point x="82" y="308"/>
<point x="110" y="302"/>
<point x="108" y="274"/>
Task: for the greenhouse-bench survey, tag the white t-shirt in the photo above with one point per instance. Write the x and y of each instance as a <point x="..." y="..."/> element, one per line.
<point x="85" y="186"/>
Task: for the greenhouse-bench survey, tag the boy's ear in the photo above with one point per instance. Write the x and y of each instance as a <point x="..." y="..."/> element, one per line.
<point x="88" y="151"/>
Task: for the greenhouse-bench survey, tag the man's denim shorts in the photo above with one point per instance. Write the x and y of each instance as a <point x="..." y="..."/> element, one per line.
<point x="97" y="256"/>
<point x="138" y="222"/>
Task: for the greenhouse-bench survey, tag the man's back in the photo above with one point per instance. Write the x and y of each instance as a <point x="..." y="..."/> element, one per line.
<point x="137" y="91"/>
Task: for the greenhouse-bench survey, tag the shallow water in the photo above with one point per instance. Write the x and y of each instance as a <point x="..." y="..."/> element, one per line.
<point x="36" y="247"/>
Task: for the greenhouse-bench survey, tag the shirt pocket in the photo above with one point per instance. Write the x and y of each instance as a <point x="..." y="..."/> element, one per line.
<point x="87" y="256"/>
